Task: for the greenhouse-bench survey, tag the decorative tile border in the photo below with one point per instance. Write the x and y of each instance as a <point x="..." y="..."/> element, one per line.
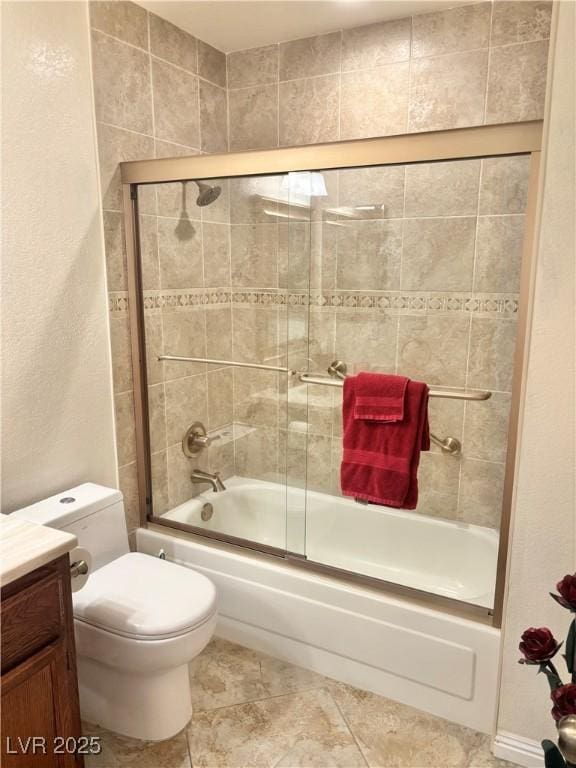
<point x="503" y="305"/>
<point x="118" y="302"/>
<point x="269" y="297"/>
<point x="190" y="298"/>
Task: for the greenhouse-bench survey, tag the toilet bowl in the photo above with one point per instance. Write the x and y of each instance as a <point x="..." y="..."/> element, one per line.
<point x="138" y="621"/>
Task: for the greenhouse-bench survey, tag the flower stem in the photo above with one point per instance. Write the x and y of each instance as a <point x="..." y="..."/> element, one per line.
<point x="553" y="669"/>
<point x="551" y="673"/>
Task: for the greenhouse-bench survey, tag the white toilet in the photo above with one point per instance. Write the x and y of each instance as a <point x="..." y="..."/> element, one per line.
<point x="138" y="620"/>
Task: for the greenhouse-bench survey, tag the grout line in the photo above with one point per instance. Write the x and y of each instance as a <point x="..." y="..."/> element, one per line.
<point x="125" y="42"/>
<point x="487" y="73"/>
<point x="334" y="401"/>
<point x="384" y="65"/>
<point x="122" y="128"/>
<point x="485" y="461"/>
<point x="129" y="464"/>
<point x="410" y="60"/>
<point x="162" y="382"/>
<point x="163" y="374"/>
<point x="190" y="760"/>
<point x="469" y="345"/>
<point x="199" y="105"/>
<point x="369" y="220"/>
<point x="232" y="334"/>
<point x="166" y="217"/>
<point x="155" y="57"/>
<point x="427" y="13"/>
<point x="285" y="753"/>
<point x="270" y="697"/>
<point x="356" y="221"/>
<point x="227" y="115"/>
<point x="340" y="86"/>
<point x="397" y="355"/>
<point x="262" y="677"/>
<point x="209" y="454"/>
<point x="228" y="132"/>
<point x="335" y="73"/>
<point x="151" y="78"/>
<point x="277" y="84"/>
<point x="347" y="723"/>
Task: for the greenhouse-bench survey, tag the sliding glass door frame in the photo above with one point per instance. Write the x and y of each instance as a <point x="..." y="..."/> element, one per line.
<point x="456" y="144"/>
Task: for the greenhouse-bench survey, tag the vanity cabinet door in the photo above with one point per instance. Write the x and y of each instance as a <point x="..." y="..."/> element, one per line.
<point x="40" y="712"/>
<point x="29" y="721"/>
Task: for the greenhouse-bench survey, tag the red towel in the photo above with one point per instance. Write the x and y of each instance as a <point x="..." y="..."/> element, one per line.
<point x="380" y="460"/>
<point x="379" y="398"/>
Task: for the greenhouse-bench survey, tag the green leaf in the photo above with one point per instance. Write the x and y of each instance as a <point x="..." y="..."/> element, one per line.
<point x="571" y="647"/>
<point x="552" y="755"/>
<point x="553" y="678"/>
<point x="559" y="599"/>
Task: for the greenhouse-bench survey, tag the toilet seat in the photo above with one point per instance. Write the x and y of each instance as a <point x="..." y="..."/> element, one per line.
<point x="144" y="598"/>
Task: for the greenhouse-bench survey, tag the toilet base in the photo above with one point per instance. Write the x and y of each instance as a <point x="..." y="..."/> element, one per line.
<point x="151" y="707"/>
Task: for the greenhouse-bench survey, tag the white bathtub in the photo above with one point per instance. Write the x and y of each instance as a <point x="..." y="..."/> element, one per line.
<point x="402" y="649"/>
<point x="455" y="560"/>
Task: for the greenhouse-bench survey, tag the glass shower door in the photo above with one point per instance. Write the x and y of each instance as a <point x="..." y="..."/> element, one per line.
<point x="251" y="283"/>
<point x="414" y="271"/>
<point x="299" y="193"/>
<point x="215" y="275"/>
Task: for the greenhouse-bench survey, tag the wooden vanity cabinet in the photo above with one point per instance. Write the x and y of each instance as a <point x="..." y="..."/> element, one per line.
<point x="39" y="687"/>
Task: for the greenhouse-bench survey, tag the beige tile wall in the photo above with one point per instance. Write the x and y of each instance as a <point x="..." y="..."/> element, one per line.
<point x="427" y="286"/>
<point x="160" y="92"/>
<point x="449" y="237"/>
<point x="471" y="65"/>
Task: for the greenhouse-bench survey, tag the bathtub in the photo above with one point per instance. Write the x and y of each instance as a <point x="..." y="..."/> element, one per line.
<point x="376" y="640"/>
<point x="451" y="559"/>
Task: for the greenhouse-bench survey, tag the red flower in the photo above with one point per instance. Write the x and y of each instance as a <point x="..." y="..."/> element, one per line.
<point x="538" y="645"/>
<point x="564" y="700"/>
<point x="567" y="589"/>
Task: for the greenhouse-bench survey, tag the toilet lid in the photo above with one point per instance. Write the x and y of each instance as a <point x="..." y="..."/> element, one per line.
<point x="145" y="598"/>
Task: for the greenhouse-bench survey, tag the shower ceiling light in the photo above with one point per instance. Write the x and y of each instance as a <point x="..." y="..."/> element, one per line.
<point x="308" y="183"/>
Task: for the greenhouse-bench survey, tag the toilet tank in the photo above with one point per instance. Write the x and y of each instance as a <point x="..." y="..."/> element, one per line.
<point x="93" y="513"/>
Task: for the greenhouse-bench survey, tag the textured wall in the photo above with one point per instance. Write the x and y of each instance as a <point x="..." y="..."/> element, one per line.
<point x="57" y="427"/>
<point x="543" y="546"/>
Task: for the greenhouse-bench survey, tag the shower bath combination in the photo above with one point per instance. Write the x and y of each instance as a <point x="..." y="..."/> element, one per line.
<point x="280" y="291"/>
<point x="297" y="295"/>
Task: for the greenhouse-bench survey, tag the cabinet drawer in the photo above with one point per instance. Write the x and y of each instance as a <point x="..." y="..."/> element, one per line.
<point x="31" y="619"/>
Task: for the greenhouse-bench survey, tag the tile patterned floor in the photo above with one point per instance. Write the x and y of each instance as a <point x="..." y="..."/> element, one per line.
<point x="253" y="711"/>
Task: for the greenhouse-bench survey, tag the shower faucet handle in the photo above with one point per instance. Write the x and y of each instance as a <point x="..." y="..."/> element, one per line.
<point x="196" y="439"/>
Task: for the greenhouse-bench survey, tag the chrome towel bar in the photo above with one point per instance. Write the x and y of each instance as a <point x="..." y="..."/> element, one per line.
<point x="312" y="378"/>
<point x="450" y="394"/>
<point x="178" y="359"/>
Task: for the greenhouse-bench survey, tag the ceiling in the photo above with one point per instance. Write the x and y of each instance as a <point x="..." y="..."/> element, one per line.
<point x="232" y="25"/>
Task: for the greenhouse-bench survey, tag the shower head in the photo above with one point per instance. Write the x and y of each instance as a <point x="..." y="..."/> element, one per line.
<point x="206" y="193"/>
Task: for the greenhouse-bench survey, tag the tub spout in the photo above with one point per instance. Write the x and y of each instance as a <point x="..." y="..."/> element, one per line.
<point x="213" y="479"/>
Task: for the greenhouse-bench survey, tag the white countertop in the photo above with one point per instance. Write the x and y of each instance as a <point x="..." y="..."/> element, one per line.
<point x="25" y="546"/>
